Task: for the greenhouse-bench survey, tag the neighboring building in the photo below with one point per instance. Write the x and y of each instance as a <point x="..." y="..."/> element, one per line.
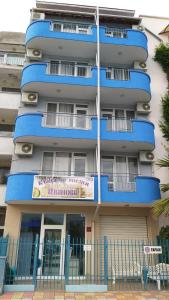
<point x="85" y="112"/>
<point x="12" y="53"/>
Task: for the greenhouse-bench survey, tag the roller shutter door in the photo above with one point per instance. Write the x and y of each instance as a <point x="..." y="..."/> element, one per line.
<point x="125" y="244"/>
<point x="123" y="227"/>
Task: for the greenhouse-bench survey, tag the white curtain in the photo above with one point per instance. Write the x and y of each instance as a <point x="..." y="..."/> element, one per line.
<point x="121" y="173"/>
<point x="65" y="116"/>
<point x="120" y="121"/>
<point x="62" y="164"/>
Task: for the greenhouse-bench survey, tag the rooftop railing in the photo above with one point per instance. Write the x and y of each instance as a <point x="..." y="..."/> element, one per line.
<point x="71" y="27"/>
<point x="116" y="32"/>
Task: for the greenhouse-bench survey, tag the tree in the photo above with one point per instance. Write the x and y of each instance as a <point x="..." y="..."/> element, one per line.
<point x="161" y="206"/>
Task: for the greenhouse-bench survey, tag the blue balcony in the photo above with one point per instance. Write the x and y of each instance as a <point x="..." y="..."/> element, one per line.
<point x="79" y="40"/>
<point x="37" y="77"/>
<point x="32" y="128"/>
<point x="20" y="187"/>
<point x="127" y="86"/>
<point x="122" y="46"/>
<point x="142" y="192"/>
<point x="133" y="135"/>
<point x="122" y="86"/>
<point x="60" y="40"/>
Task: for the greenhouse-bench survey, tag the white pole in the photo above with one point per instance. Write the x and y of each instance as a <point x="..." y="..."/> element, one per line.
<point x="98" y="107"/>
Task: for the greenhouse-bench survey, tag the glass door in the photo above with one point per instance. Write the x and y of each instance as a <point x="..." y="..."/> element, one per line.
<point x="52" y="250"/>
<point x="79" y="164"/>
<point x="107" y="169"/>
<point x="81" y="118"/>
<point x="120" y="122"/>
<point x="109" y="115"/>
<point x="65" y="116"/>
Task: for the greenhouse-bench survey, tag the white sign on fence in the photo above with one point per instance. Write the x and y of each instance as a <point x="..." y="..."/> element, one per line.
<point x="87" y="248"/>
<point x="152" y="250"/>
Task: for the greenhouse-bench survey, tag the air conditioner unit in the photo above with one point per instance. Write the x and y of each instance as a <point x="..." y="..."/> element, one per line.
<point x="29" y="98"/>
<point x="37" y="16"/>
<point x="23" y="149"/>
<point x="34" y="54"/>
<point x="146" y="156"/>
<point x="140" y="66"/>
<point x="143" y="108"/>
<point x="139" y="27"/>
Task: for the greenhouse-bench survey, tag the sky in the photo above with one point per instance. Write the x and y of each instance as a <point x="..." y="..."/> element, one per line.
<point x="15" y="14"/>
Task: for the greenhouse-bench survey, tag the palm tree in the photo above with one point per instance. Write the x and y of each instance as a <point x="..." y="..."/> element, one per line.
<point x="161" y="206"/>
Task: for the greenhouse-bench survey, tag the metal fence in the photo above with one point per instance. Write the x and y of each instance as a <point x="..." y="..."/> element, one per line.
<point x="12" y="59"/>
<point x="66" y="120"/>
<point x="69" y="69"/>
<point x="116" y="32"/>
<point x="71" y="27"/>
<point x="117" y="74"/>
<point x="119" y="264"/>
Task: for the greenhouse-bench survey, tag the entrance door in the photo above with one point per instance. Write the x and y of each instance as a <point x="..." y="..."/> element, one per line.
<point x="52" y="250"/>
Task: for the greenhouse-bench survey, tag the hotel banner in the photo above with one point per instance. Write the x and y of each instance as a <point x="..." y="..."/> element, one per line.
<point x="63" y="187"/>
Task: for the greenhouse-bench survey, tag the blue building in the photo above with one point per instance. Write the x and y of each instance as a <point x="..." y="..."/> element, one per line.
<point x="83" y="140"/>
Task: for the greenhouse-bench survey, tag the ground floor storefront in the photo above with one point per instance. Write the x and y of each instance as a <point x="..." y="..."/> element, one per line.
<point x="83" y="248"/>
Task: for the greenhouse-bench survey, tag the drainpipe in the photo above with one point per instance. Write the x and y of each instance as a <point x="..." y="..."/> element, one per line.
<point x="98" y="114"/>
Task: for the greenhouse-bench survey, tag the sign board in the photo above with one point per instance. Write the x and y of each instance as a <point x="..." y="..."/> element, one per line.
<point x="87" y="248"/>
<point x="63" y="187"/>
<point x="152" y="250"/>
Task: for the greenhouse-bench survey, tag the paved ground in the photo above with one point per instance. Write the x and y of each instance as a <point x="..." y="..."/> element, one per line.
<point x="164" y="295"/>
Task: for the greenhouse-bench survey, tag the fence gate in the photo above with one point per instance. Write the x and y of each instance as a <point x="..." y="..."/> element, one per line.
<point x="118" y="264"/>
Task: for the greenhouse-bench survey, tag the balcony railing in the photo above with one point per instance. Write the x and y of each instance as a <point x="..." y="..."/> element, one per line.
<point x="116" y="182"/>
<point x="71" y="27"/>
<point x="65" y="120"/>
<point x="69" y="69"/>
<point x="121" y="182"/>
<point x="116" y="32"/>
<point x="117" y="74"/>
<point x="119" y="124"/>
<point x="12" y="59"/>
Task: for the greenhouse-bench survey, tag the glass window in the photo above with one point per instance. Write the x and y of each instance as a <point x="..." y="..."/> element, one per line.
<point x="53" y="219"/>
<point x="47" y="165"/>
<point x="133" y="168"/>
<point x="2" y="220"/>
<point x="51" y="114"/>
<point x="30" y="227"/>
<point x="3" y="175"/>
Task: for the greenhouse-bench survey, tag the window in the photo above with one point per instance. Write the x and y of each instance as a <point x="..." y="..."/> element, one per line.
<point x="66" y="115"/>
<point x="69" y="68"/>
<point x="64" y="163"/>
<point x="4" y="171"/>
<point x="121" y="171"/>
<point x="2" y="220"/>
<point x="118" y="119"/>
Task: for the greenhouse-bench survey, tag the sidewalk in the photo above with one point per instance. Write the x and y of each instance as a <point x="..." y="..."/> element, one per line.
<point x="154" y="295"/>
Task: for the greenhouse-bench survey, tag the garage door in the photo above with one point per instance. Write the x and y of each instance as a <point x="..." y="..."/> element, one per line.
<point x="123" y="227"/>
<point x="126" y="236"/>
